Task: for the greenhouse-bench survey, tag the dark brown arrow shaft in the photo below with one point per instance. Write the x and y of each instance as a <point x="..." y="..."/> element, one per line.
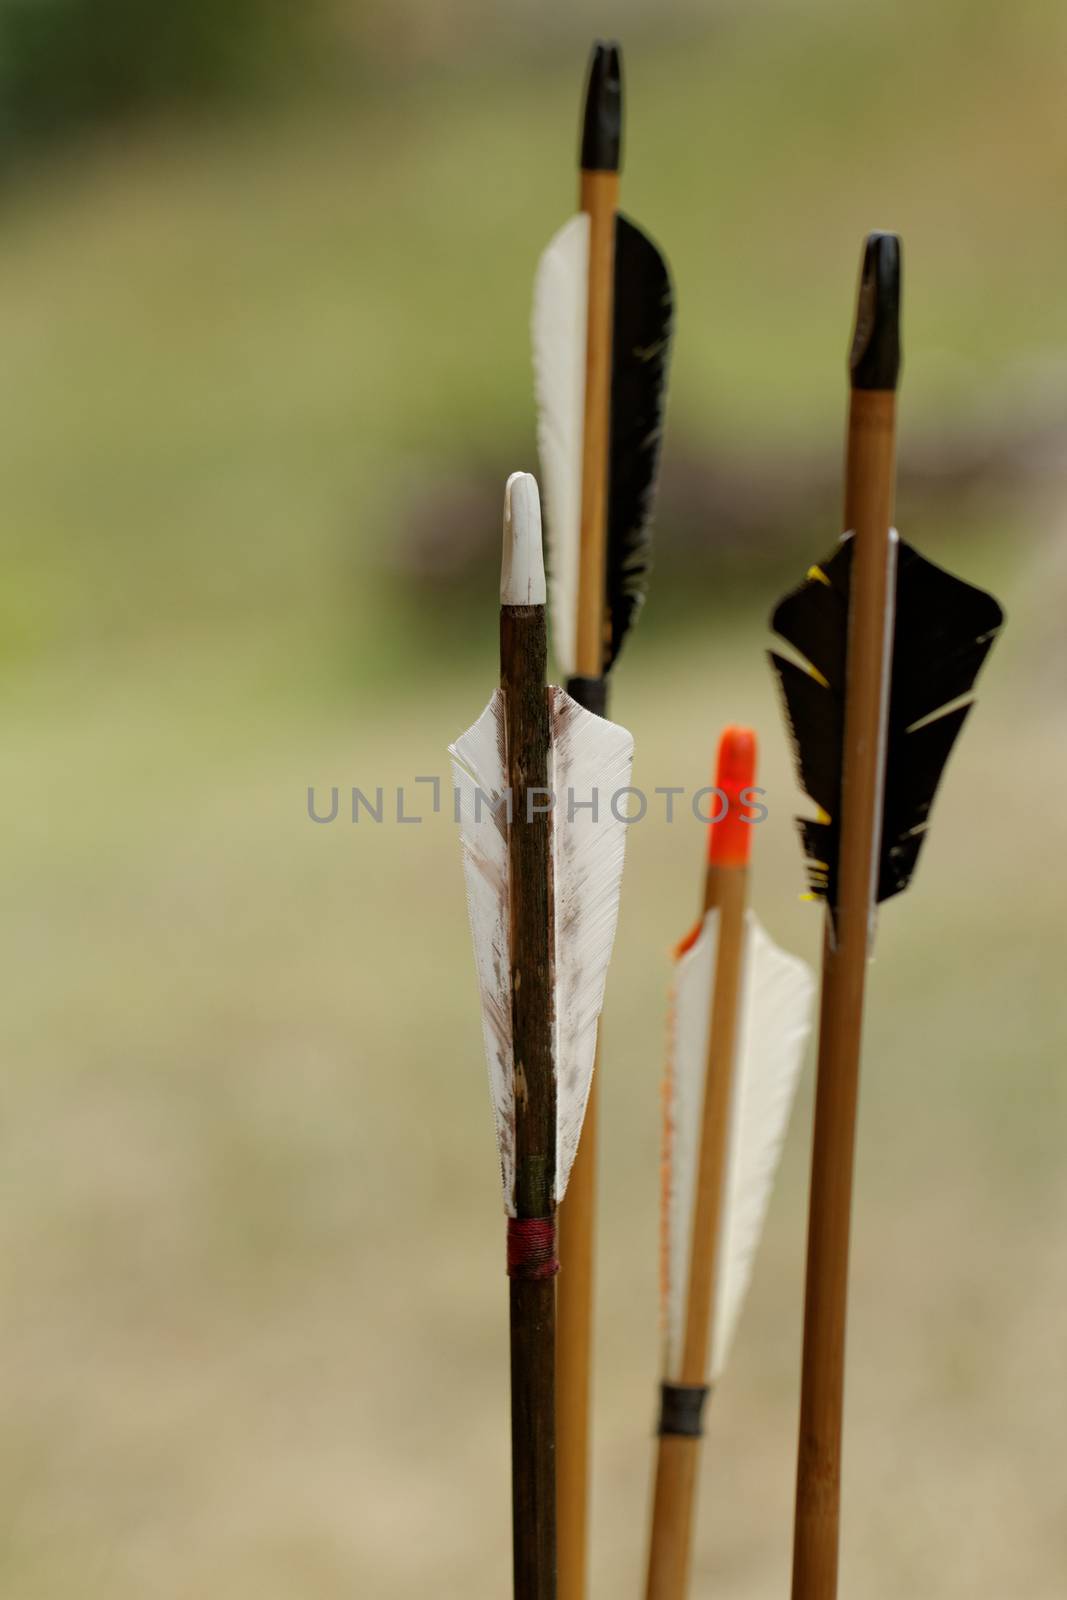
<point x="533" y="1299"/>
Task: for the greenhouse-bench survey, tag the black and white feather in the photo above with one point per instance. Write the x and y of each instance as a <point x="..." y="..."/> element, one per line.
<point x="643" y="321"/>
<point x="641" y="337"/>
<point x="943" y="631"/>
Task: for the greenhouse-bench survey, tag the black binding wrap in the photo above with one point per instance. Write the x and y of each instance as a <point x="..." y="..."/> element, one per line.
<point x="591" y="693"/>
<point x="681" y="1409"/>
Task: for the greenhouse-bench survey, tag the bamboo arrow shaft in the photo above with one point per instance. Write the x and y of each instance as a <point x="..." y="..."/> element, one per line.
<point x="599" y="200"/>
<point x="574" y="1340"/>
<point x="729" y="897"/>
<point x="869" y="513"/>
<point x="522" y="662"/>
<point x="678" y="1456"/>
<point x="599" y="197"/>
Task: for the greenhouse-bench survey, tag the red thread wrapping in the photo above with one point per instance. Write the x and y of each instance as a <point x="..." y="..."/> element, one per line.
<point x="532" y="1247"/>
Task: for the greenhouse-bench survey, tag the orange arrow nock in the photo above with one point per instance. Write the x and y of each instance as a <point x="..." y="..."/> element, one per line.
<point x="730" y="837"/>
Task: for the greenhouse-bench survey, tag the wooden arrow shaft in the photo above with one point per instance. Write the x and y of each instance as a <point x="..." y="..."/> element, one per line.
<point x="598" y="198"/>
<point x="533" y="1444"/>
<point x="526" y="738"/>
<point x="870" y="472"/>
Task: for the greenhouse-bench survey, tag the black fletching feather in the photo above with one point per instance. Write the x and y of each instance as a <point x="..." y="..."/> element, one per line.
<point x="943" y="631"/>
<point x="643" y="318"/>
<point x="815" y="715"/>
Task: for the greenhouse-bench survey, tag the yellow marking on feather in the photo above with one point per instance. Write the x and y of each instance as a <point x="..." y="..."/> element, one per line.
<point x="817" y="575"/>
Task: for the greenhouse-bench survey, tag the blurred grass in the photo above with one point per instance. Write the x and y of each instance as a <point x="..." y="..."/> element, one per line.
<point x="253" y="1329"/>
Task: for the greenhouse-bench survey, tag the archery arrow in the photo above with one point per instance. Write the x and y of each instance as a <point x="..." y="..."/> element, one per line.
<point x="542" y="854"/>
<point x="602" y="316"/>
<point x="893" y="645"/>
<point x="740" y="1019"/>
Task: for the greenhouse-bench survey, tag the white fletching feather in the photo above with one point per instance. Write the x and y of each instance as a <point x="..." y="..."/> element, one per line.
<point x="687" y="1056"/>
<point x="479" y="782"/>
<point x="590" y="763"/>
<point x="559" y="336"/>
<point x="777" y="992"/>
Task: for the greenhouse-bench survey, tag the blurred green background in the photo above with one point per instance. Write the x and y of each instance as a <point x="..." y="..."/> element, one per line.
<point x="264" y="289"/>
